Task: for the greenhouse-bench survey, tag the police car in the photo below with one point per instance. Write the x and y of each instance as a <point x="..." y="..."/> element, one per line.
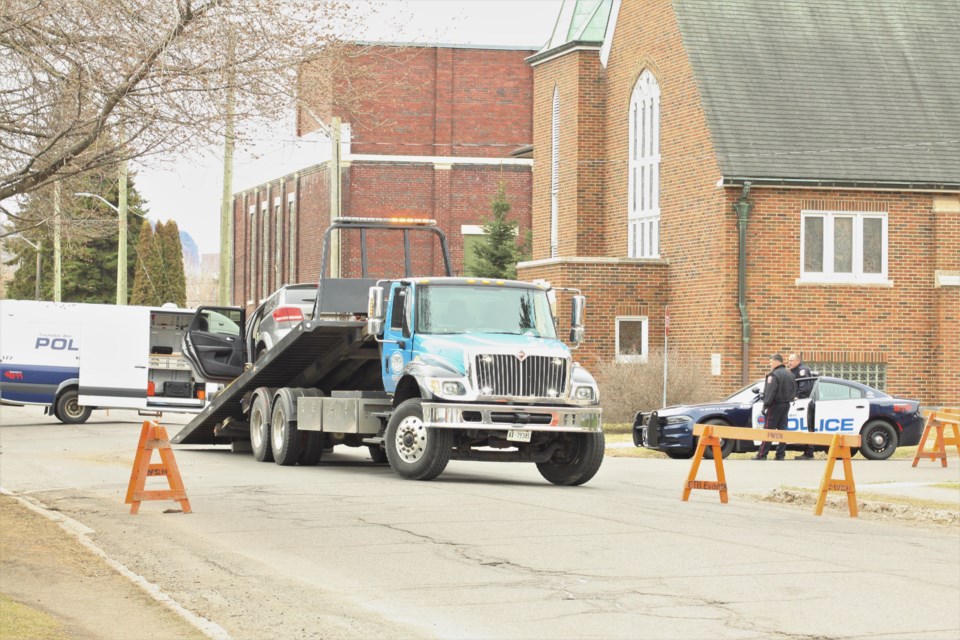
<point x="834" y="406"/>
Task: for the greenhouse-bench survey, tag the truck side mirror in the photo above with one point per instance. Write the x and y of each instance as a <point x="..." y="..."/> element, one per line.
<point x="577" y="306"/>
<point x="375" y="311"/>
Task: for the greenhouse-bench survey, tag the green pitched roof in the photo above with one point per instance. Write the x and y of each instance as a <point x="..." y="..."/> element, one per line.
<point x="579" y="21"/>
<point x="851" y="90"/>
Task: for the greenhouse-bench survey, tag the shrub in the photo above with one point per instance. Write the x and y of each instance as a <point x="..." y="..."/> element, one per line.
<point x="628" y="387"/>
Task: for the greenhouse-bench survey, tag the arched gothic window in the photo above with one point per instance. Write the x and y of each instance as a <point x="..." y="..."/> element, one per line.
<point x="643" y="196"/>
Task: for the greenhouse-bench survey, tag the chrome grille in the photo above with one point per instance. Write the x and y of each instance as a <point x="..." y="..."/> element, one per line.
<point x="532" y="377"/>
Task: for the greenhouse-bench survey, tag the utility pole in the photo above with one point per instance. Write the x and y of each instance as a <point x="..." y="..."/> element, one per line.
<point x="335" y="196"/>
<point x="226" y="201"/>
<point x="122" y="241"/>
<point x="57" y="284"/>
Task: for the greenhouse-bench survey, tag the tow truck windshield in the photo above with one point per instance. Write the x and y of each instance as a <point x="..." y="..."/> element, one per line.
<point x="453" y="309"/>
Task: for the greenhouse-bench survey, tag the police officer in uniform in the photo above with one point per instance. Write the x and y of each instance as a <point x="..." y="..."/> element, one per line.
<point x="778" y="392"/>
<point x="800" y="370"/>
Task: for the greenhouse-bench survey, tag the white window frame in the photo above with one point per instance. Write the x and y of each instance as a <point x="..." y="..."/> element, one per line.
<point x="252" y="266"/>
<point x="278" y="243"/>
<point x="264" y="250"/>
<point x="555" y="176"/>
<point x="292" y="236"/>
<point x="857" y="276"/>
<point x="644" y="339"/>
<point x="643" y="179"/>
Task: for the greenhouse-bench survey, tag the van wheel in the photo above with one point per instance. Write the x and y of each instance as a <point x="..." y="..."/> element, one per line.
<point x="414" y="451"/>
<point x="576" y="461"/>
<point x="68" y="410"/>
<point x="878" y="440"/>
<point x="284" y="436"/>
<point x="260" y="425"/>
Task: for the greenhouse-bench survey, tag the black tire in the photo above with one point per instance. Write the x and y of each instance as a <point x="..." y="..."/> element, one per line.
<point x="311" y="442"/>
<point x="261" y="349"/>
<point x="260" y="425"/>
<point x="679" y="455"/>
<point x="878" y="440"/>
<point x="726" y="446"/>
<point x="68" y="410"/>
<point x="575" y="462"/>
<point x="414" y="451"/>
<point x="284" y="436"/>
<point x="377" y="454"/>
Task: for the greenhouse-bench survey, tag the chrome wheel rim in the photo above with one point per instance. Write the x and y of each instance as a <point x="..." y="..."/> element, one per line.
<point x="411" y="439"/>
<point x="257" y="428"/>
<point x="276" y="434"/>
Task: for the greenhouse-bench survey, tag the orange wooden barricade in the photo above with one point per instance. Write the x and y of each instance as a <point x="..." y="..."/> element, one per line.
<point x="153" y="436"/>
<point x="948" y="418"/>
<point x="710" y="436"/>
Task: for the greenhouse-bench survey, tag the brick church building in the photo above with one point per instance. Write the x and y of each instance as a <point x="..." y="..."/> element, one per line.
<point x="431" y="133"/>
<point x="778" y="176"/>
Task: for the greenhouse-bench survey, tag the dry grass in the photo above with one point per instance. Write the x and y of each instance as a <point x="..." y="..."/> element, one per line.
<point x="21" y="622"/>
<point x="628" y="387"/>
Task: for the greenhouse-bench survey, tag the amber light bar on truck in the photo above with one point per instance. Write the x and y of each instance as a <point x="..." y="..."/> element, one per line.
<point x="418" y="221"/>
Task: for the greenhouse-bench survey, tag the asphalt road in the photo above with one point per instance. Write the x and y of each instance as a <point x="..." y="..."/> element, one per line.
<point x="349" y="550"/>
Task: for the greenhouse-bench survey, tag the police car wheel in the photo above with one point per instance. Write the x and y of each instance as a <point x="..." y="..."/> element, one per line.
<point x="726" y="446"/>
<point x="879" y="440"/>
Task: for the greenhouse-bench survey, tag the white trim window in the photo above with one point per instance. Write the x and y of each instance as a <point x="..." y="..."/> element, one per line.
<point x="643" y="193"/>
<point x="252" y="265"/>
<point x="264" y="250"/>
<point x="292" y="236"/>
<point x="555" y="176"/>
<point x="843" y="246"/>
<point x="632" y="335"/>
<point x="278" y="242"/>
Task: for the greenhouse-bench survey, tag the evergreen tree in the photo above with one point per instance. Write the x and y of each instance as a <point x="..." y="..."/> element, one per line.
<point x="88" y="241"/>
<point x="175" y="279"/>
<point x="145" y="289"/>
<point x="500" y="251"/>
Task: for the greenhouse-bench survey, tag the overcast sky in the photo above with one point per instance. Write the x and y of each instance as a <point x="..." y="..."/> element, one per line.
<point x="188" y="188"/>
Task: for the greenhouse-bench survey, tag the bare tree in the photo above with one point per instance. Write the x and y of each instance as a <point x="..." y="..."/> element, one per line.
<point x="87" y="83"/>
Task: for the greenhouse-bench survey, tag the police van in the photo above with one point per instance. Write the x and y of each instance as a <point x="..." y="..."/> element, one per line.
<point x="72" y="358"/>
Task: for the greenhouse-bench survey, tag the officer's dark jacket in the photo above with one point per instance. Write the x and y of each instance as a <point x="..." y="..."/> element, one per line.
<point x="804" y="387"/>
<point x="780" y="387"/>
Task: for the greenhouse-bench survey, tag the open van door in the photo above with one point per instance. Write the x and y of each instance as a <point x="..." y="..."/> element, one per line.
<point x="213" y="343"/>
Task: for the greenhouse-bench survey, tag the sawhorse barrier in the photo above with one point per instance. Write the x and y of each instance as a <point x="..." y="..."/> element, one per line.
<point x="154" y="437"/>
<point x="711" y="434"/>
<point x="938" y="421"/>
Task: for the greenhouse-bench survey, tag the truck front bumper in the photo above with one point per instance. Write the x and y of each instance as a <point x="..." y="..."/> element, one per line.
<point x="503" y="417"/>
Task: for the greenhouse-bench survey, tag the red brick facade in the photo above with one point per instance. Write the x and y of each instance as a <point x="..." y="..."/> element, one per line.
<point x="432" y="130"/>
<point x="910" y="325"/>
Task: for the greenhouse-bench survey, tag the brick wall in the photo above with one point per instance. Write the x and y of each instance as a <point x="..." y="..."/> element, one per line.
<point x="435" y="101"/>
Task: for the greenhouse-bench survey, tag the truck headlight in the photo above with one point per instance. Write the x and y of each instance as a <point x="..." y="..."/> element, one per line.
<point x="584" y="393"/>
<point x="453" y="388"/>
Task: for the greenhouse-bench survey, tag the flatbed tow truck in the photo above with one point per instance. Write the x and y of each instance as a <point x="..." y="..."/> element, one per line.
<point x="418" y="367"/>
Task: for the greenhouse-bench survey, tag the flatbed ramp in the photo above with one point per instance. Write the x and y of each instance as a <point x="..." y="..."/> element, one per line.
<point x="323" y="354"/>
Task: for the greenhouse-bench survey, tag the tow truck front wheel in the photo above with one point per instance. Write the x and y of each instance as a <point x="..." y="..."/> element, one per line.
<point x="414" y="451"/>
<point x="576" y="461"/>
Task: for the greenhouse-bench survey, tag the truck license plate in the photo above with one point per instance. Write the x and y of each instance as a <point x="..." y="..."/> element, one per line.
<point x="519" y="435"/>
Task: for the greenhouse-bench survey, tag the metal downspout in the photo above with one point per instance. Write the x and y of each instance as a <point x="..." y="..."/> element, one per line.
<point x="742" y="208"/>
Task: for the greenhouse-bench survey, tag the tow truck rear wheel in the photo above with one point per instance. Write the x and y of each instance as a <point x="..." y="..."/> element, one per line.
<point x="284" y="436"/>
<point x="576" y="461"/>
<point x="311" y="442"/>
<point x="260" y="425"/>
<point x="68" y="410"/>
<point x="414" y="451"/>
